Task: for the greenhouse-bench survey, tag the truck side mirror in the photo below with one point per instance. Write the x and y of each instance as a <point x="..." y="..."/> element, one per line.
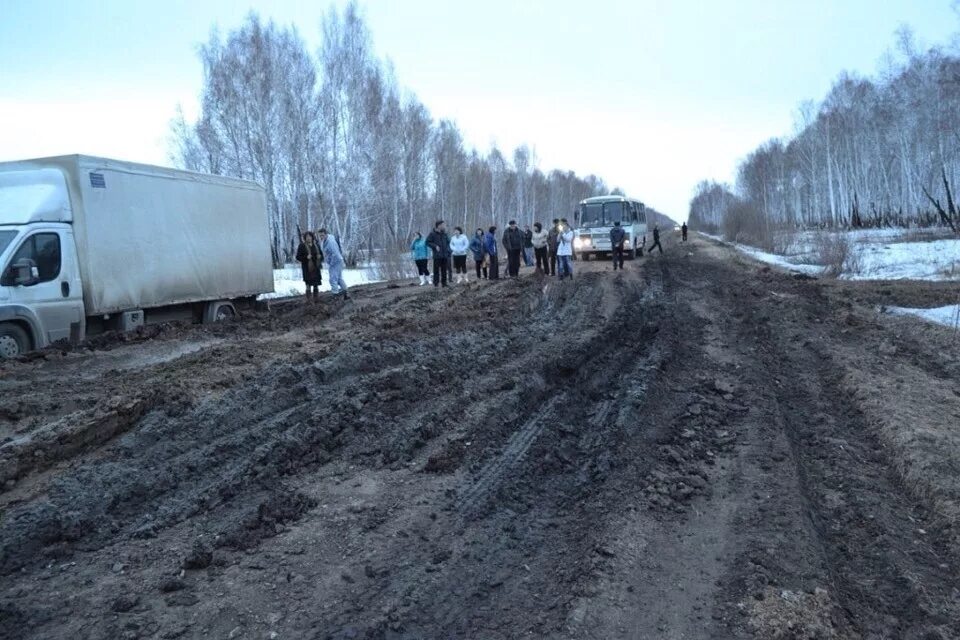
<point x="26" y="272"/>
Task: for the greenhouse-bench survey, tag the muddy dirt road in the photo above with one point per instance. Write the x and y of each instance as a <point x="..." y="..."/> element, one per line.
<point x="695" y="447"/>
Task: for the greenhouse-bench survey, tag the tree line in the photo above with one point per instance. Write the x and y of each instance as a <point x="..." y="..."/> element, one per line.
<point x="875" y="152"/>
<point x="336" y="142"/>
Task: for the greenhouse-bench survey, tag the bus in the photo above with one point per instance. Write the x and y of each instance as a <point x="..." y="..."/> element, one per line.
<point x="595" y="218"/>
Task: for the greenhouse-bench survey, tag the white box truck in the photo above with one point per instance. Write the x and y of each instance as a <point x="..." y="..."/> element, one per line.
<point x="90" y="244"/>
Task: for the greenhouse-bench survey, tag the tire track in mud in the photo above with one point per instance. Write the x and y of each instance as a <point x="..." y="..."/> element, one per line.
<point x="882" y="560"/>
<point x="487" y="480"/>
<point x="561" y="407"/>
<point x="221" y="463"/>
<point x="526" y="505"/>
<point x="203" y="457"/>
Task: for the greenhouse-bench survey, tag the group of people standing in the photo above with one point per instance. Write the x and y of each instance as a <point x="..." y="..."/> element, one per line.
<point x="547" y="249"/>
<point x="313" y="251"/>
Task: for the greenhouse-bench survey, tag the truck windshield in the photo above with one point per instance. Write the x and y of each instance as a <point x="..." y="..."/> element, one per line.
<point x="599" y="215"/>
<point x="6" y="237"/>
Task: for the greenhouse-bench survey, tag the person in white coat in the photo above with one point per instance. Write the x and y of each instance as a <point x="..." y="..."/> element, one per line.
<point x="564" y="250"/>
<point x="335" y="262"/>
<point x="459" y="247"/>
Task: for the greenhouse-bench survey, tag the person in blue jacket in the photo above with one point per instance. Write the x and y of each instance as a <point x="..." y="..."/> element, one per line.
<point x="479" y="252"/>
<point x="421" y="255"/>
<point x="490" y="244"/>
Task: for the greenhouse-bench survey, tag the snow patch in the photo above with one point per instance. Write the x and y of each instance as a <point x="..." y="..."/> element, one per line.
<point x="883" y="254"/>
<point x="782" y="262"/>
<point x="948" y="315"/>
<point x="288" y="281"/>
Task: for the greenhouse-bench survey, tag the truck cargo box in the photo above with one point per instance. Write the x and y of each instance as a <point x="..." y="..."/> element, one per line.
<point x="149" y="236"/>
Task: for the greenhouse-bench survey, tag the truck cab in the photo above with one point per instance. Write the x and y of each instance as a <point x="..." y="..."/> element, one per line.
<point x="41" y="294"/>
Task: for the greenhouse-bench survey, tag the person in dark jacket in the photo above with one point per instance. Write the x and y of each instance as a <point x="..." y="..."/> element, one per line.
<point x="683" y="231"/>
<point x="479" y="252"/>
<point x="553" y="239"/>
<point x="310" y="258"/>
<point x="490" y="245"/>
<point x="527" y="246"/>
<point x="656" y="240"/>
<point x="617" y="238"/>
<point x="513" y="243"/>
<point x="439" y="242"/>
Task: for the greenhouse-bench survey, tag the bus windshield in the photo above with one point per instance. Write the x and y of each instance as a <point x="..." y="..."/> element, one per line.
<point x="602" y="214"/>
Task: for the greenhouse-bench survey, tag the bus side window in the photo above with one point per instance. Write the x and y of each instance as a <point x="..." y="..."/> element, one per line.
<point x="635" y="216"/>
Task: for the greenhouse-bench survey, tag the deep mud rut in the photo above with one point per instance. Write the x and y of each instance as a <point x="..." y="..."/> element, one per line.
<point x="664" y="452"/>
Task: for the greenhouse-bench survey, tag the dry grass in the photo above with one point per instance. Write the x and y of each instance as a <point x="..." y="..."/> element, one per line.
<point x="745" y="223"/>
<point x="394" y="265"/>
<point x="836" y="252"/>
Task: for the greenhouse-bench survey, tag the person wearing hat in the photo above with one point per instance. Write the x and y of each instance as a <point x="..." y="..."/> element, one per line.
<point x="513" y="243"/>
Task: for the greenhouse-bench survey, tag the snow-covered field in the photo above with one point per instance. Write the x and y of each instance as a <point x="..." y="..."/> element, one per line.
<point x="288" y="281"/>
<point x="949" y="315"/>
<point x="881" y="254"/>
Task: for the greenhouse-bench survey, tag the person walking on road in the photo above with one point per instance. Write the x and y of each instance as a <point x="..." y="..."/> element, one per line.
<point x="552" y="241"/>
<point x="564" y="250"/>
<point x="513" y="243"/>
<point x="656" y="240"/>
<point x="330" y="247"/>
<point x="310" y="258"/>
<point x="490" y="246"/>
<point x="539" y="241"/>
<point x="421" y="255"/>
<point x="683" y="231"/>
<point x="479" y="253"/>
<point x="528" y="246"/>
<point x="617" y="238"/>
<point x="439" y="242"/>
<point x="459" y="246"/>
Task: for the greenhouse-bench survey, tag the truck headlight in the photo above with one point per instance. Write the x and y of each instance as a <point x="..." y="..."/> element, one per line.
<point x="581" y="242"/>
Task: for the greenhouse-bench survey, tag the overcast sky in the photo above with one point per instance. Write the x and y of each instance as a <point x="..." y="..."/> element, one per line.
<point x="652" y="95"/>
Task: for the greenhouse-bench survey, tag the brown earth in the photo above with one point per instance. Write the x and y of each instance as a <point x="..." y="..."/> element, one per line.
<point x="697" y="447"/>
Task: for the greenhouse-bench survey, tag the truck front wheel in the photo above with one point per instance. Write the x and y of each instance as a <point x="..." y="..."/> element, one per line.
<point x="13" y="340"/>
